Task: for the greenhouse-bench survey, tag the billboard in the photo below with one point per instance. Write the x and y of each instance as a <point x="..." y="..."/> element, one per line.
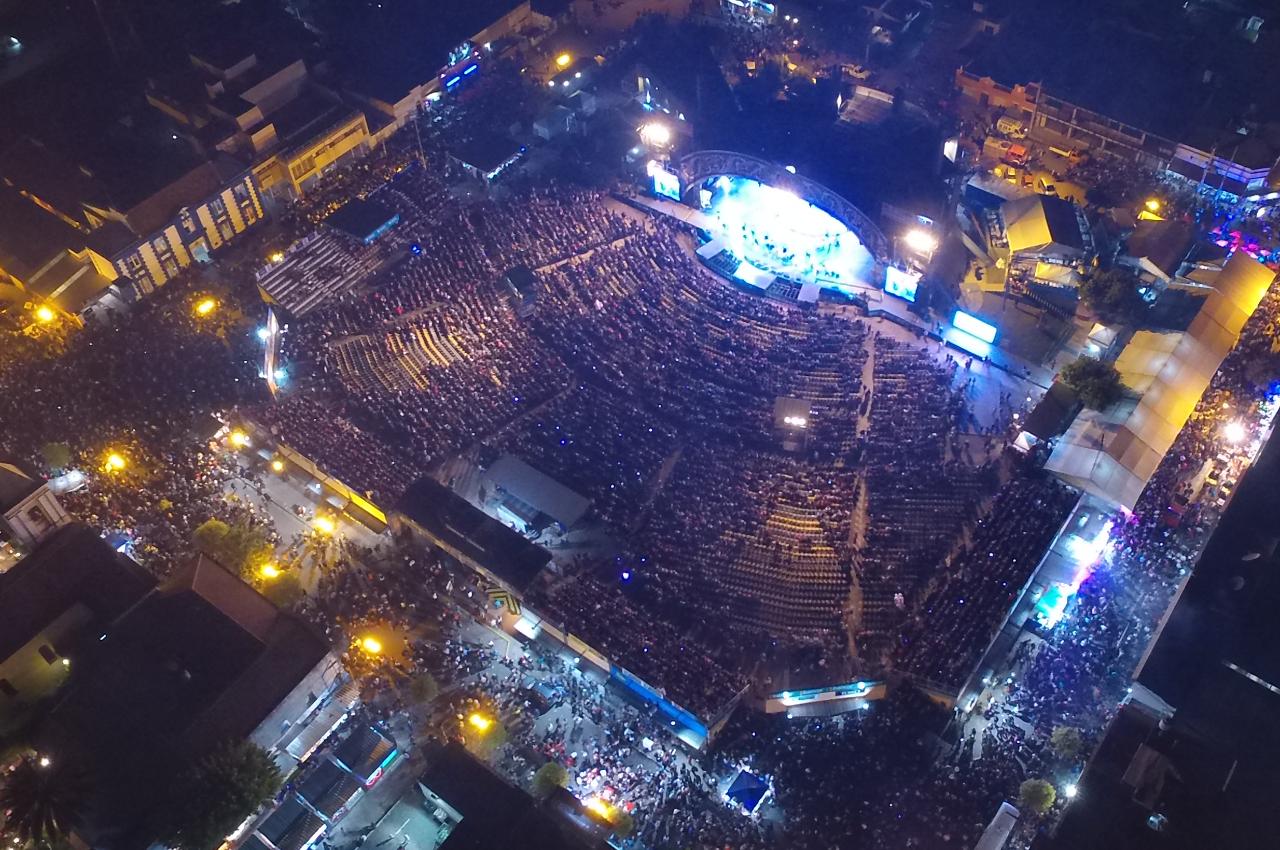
<point x="974" y="326"/>
<point x="901" y="283"/>
<point x="665" y="184"/>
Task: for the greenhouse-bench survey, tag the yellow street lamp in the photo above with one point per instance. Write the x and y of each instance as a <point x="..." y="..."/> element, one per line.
<point x="239" y="438"/>
<point x="1153" y="204"/>
<point x="599" y="807"/>
<point x="276" y="256"/>
<point x="116" y="462"/>
<point x="563" y="60"/>
<point x="269" y="570"/>
<point x="205" y="306"/>
<point x="324" y="525"/>
<point x="45" y="314"/>
<point x="371" y="645"/>
<point x="277" y="465"/>
<point x="480" y="722"/>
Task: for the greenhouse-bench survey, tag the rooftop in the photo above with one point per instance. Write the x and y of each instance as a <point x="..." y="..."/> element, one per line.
<point x="398" y="51"/>
<point x="204" y="658"/>
<point x="30" y="236"/>
<point x="72" y="567"/>
<point x="467" y="530"/>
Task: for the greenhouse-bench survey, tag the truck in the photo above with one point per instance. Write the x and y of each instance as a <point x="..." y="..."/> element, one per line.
<point x="1011" y="126"/>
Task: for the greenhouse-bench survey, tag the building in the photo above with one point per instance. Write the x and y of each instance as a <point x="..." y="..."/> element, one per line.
<point x="530" y="499"/>
<point x="1046" y="228"/>
<point x="267" y="112"/>
<point x="137" y="203"/>
<point x="200" y="660"/>
<point x="364" y="221"/>
<point x="498" y="554"/>
<point x="1156" y="250"/>
<point x="485" y="156"/>
<point x="475" y="809"/>
<point x="435" y="52"/>
<point x="1114" y="455"/>
<point x="29" y="512"/>
<point x="54" y="603"/>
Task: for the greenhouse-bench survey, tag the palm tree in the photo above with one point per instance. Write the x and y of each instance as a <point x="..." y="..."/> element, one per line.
<point x="42" y="802"/>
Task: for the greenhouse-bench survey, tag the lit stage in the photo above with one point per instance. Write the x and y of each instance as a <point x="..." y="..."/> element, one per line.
<point x="779" y="233"/>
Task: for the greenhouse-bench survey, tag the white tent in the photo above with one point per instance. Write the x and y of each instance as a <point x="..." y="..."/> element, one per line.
<point x="1117" y="463"/>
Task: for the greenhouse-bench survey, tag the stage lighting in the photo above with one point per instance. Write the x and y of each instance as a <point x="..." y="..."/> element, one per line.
<point x="655" y="134"/>
<point x="920" y="240"/>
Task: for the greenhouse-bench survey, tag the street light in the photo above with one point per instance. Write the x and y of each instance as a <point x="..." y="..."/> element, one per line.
<point x="655" y="134"/>
<point x="324" y="525"/>
<point x="1234" y="432"/>
<point x="45" y="761"/>
<point x="239" y="438"/>
<point x="371" y="645"/>
<point x="116" y="462"/>
<point x="599" y="807"/>
<point x="1153" y="204"/>
<point x="1071" y="790"/>
<point x="45" y="314"/>
<point x="480" y="722"/>
<point x="205" y="306"/>
<point x="269" y="570"/>
<point x="277" y="465"/>
<point x="276" y="256"/>
<point x="920" y="240"/>
<point x="563" y="60"/>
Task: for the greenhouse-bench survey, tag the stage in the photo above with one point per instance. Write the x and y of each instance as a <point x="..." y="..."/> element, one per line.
<point x="775" y="233"/>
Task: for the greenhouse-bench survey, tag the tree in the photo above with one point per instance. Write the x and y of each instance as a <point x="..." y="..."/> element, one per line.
<point x="423" y="688"/>
<point x="1112" y="295"/>
<point x="57" y="456"/>
<point x="1066" y="741"/>
<point x="549" y="777"/>
<point x="1098" y="384"/>
<point x="217" y="793"/>
<point x="284" y="591"/>
<point x="239" y="547"/>
<point x="1036" y="795"/>
<point x="483" y="744"/>
<point x="622" y="822"/>
<point x="43" y="803"/>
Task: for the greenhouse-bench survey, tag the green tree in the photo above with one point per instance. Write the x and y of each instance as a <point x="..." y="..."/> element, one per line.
<point x="483" y="744"/>
<point x="217" y="793"/>
<point x="423" y="688"/>
<point x="1098" y="384"/>
<point x="284" y="591"/>
<point x="239" y="547"/>
<point x="43" y="804"/>
<point x="549" y="777"/>
<point x="57" y="456"/>
<point x="1036" y="795"/>
<point x="1113" y="296"/>
<point x="1066" y="741"/>
<point x="622" y="822"/>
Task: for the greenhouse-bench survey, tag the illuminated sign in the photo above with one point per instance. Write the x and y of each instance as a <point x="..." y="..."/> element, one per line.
<point x="974" y="326"/>
<point x="665" y="184"/>
<point x="901" y="283"/>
